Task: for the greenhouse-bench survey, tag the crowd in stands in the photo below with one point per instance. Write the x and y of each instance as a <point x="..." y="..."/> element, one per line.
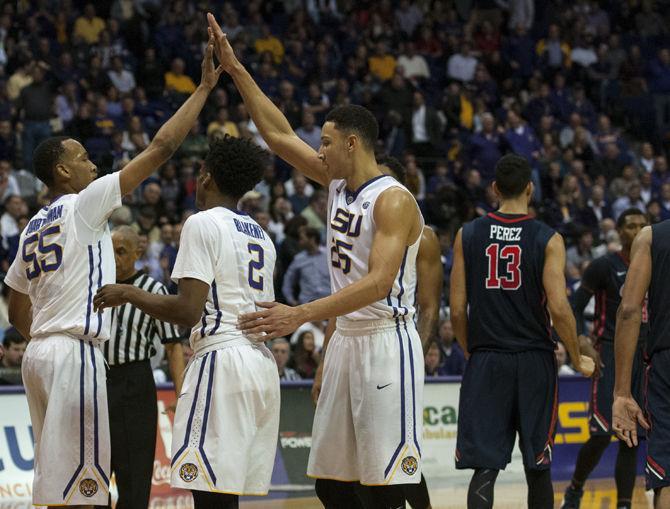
<point x="581" y="89"/>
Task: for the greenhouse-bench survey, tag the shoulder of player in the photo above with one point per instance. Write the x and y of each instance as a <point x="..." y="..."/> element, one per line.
<point x="395" y="200"/>
<point x="429" y="241"/>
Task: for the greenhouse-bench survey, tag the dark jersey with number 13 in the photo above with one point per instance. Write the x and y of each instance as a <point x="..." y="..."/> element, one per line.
<point x="504" y="263"/>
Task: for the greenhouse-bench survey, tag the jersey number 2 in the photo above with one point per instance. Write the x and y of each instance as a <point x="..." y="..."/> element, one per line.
<point x="39" y="258"/>
<point x="510" y="254"/>
<point x="256" y="263"/>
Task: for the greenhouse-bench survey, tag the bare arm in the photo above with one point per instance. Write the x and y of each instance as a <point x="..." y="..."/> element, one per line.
<point x="430" y="275"/>
<point x="629" y="314"/>
<point x="20" y="312"/>
<point x="175" y="357"/>
<point x="458" y="296"/>
<point x="626" y="413"/>
<point x="553" y="280"/>
<point x="397" y="223"/>
<point x="183" y="309"/>
<point x="270" y="121"/>
<point x="170" y="136"/>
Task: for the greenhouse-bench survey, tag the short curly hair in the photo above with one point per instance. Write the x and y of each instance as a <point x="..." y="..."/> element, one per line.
<point x="46" y="156"/>
<point x="396" y="167"/>
<point x="236" y="165"/>
<point x="352" y="118"/>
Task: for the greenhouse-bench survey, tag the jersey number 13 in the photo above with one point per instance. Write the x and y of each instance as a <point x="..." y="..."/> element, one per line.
<point x="510" y="258"/>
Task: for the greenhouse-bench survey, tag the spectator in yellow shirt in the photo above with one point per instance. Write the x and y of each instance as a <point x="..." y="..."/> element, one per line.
<point x="382" y="63"/>
<point x="89" y="26"/>
<point x="268" y="42"/>
<point x="222" y="125"/>
<point x="176" y="80"/>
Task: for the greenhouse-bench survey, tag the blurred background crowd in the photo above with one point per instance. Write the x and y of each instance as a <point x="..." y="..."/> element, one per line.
<point x="580" y="88"/>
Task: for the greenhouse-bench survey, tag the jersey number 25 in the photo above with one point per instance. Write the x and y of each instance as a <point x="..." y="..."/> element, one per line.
<point x="40" y="255"/>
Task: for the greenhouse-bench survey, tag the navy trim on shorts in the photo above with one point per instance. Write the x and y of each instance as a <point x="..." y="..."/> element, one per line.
<point x="411" y="366"/>
<point x="203" y="431"/>
<point x="190" y="417"/>
<point x="82" y="358"/>
<point x="402" y="399"/>
<point x="402" y="288"/>
<point x="95" y="419"/>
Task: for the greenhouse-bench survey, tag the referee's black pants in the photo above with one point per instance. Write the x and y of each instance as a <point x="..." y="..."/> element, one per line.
<point x="133" y="415"/>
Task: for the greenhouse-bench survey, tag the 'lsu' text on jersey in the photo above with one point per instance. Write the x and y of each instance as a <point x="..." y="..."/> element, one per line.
<point x="65" y="248"/>
<point x="504" y="262"/>
<point x="230" y="252"/>
<point x="351" y="229"/>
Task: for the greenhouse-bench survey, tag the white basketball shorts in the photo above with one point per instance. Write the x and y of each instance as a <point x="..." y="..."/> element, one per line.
<point x="227" y="422"/>
<point x="369" y="418"/>
<point x="65" y="385"/>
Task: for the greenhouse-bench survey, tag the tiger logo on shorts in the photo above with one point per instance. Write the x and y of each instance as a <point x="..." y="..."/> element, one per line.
<point x="188" y="472"/>
<point x="88" y="487"/>
<point x="409" y="465"/>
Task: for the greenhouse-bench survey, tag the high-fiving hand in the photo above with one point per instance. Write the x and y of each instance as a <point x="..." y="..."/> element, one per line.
<point x="224" y="51"/>
<point x="210" y="73"/>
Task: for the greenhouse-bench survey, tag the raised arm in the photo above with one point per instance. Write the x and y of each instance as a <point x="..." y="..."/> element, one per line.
<point x="271" y="123"/>
<point x="397" y="221"/>
<point x="458" y="295"/>
<point x="626" y="413"/>
<point x="170" y="136"/>
<point x="430" y="276"/>
<point x="553" y="280"/>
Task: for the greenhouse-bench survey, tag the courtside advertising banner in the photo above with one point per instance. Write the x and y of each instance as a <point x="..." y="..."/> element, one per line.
<point x="295" y="435"/>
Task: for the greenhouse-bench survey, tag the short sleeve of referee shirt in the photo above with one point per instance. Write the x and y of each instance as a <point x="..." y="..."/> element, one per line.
<point x="196" y="258"/>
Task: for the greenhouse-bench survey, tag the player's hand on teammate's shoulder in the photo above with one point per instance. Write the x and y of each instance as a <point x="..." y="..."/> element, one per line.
<point x="626" y="415"/>
<point x="110" y="296"/>
<point x="224" y="51"/>
<point x="210" y="72"/>
<point x="275" y="320"/>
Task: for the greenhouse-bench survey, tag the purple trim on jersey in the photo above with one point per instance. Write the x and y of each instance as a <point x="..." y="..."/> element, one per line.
<point x="203" y="431"/>
<point x="402" y="288"/>
<point x="96" y="438"/>
<point x="411" y="367"/>
<point x="235" y="211"/>
<point x="99" y="285"/>
<point x="82" y="359"/>
<point x="388" y="301"/>
<point x="351" y="196"/>
<point x="190" y="416"/>
<point x="215" y="298"/>
<point x="402" y="399"/>
<point x="90" y="290"/>
<point x="204" y="321"/>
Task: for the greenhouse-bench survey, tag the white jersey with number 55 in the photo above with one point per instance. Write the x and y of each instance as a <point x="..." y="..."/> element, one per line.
<point x="65" y="254"/>
<point x="230" y="252"/>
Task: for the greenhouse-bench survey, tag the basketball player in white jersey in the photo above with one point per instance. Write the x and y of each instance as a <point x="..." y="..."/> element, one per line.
<point x="227" y="419"/>
<point x="65" y="254"/>
<point x="368" y="421"/>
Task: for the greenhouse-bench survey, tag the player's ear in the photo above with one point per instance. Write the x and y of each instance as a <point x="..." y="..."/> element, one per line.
<point x="60" y="172"/>
<point x="352" y="142"/>
<point x="496" y="190"/>
<point x="530" y="189"/>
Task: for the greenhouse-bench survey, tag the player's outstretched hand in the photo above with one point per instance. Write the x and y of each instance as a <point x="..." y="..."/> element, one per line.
<point x="275" y="320"/>
<point x="626" y="414"/>
<point x="210" y="73"/>
<point x="224" y="51"/>
<point x="110" y="296"/>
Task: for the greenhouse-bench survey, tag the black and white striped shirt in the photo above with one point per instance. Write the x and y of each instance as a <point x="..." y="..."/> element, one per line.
<point x="133" y="331"/>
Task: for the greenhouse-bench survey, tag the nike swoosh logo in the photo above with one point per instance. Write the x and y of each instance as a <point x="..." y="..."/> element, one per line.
<point x="182" y="394"/>
<point x="621" y="273"/>
<point x="382" y="386"/>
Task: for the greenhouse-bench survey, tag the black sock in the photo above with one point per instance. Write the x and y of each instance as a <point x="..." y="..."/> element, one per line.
<point x="480" y="492"/>
<point x="338" y="494"/>
<point x="587" y="459"/>
<point x="208" y="500"/>
<point x="540" y="489"/>
<point x="417" y="494"/>
<point x="385" y="497"/>
<point x="624" y="474"/>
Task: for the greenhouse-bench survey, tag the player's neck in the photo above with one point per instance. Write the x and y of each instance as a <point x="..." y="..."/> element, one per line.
<point x="362" y="173"/>
<point x="219" y="200"/>
<point x="518" y="206"/>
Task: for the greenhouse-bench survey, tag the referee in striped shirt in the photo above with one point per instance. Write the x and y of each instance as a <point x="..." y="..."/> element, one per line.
<point x="131" y="391"/>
